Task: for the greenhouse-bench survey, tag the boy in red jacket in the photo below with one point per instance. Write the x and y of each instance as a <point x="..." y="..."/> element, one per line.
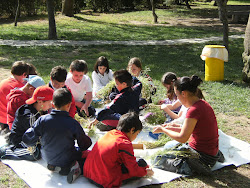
<point x="112" y="160"/>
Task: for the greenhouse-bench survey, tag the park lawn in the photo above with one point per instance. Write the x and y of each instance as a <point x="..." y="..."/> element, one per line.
<point x="135" y="25"/>
<point x="230" y="97"/>
<point x="184" y="60"/>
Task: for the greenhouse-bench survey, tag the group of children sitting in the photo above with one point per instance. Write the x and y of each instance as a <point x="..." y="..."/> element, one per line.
<point x="39" y="119"/>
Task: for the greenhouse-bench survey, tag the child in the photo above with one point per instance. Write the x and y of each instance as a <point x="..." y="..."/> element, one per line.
<point x="112" y="160"/>
<point x="168" y="80"/>
<point x="57" y="132"/>
<point x="18" y="96"/>
<point x="101" y="75"/>
<point x="135" y="68"/>
<point x="19" y="71"/>
<point x="81" y="87"/>
<point x="128" y="99"/>
<point x="26" y="115"/>
<point x="58" y="76"/>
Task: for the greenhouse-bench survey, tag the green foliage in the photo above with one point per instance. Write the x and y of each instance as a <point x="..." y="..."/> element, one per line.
<point x="105" y="91"/>
<point x="157" y="116"/>
<point x="162" y="140"/>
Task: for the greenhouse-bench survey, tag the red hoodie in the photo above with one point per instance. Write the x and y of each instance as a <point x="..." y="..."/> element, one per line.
<point x="15" y="98"/>
<point x="5" y="87"/>
<point x="103" y="164"/>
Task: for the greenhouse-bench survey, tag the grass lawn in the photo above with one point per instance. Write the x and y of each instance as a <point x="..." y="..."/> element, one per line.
<point x="136" y="25"/>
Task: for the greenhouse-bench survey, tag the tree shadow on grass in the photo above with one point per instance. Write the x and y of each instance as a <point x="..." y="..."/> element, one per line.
<point x="228" y="177"/>
<point x="23" y="19"/>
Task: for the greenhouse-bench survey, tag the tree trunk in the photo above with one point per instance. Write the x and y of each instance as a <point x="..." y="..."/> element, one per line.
<point x="52" y="22"/>
<point x="187" y="4"/>
<point x="246" y="54"/>
<point x="68" y="7"/>
<point x="153" y="11"/>
<point x="17" y="11"/>
<point x="222" y="6"/>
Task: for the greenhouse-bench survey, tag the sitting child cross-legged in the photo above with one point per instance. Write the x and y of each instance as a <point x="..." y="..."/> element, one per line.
<point x="126" y="100"/>
<point x="112" y="159"/>
<point x="58" y="132"/>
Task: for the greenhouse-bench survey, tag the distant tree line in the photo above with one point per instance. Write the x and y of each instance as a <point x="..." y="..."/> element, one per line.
<point x="33" y="7"/>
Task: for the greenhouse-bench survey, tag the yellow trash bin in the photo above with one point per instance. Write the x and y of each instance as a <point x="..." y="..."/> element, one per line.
<point x="214" y="56"/>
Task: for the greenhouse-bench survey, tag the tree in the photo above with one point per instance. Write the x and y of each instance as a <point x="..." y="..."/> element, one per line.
<point x="52" y="22"/>
<point x="17" y="12"/>
<point x="68" y="7"/>
<point x="153" y="11"/>
<point x="222" y="6"/>
<point x="246" y="54"/>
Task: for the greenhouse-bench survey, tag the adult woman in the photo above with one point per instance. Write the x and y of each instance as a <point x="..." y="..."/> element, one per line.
<point x="200" y="126"/>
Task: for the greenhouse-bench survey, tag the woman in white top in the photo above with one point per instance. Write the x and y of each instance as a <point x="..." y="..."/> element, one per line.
<point x="101" y="75"/>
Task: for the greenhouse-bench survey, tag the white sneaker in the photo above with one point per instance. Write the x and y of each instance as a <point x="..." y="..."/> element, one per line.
<point x="74" y="173"/>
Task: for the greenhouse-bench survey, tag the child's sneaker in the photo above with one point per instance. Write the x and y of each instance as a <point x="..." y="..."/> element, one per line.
<point x="74" y="173"/>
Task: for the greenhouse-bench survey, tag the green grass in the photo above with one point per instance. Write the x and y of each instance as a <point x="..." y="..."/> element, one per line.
<point x="184" y="60"/>
<point x="114" y="26"/>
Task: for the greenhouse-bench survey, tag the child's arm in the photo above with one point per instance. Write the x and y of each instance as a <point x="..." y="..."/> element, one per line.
<point x="128" y="159"/>
<point x="31" y="136"/>
<point x="88" y="98"/>
<point x="169" y="112"/>
<point x="83" y="141"/>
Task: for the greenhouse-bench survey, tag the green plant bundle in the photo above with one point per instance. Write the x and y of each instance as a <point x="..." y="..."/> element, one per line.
<point x="92" y="133"/>
<point x="180" y="154"/>
<point x="105" y="91"/>
<point x="146" y="88"/>
<point x="157" y="116"/>
<point x="83" y="121"/>
<point x="163" y="139"/>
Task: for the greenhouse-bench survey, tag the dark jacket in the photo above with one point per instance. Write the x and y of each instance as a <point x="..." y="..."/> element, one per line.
<point x="72" y="110"/>
<point x="25" y="116"/>
<point x="127" y="100"/>
<point x="58" y="132"/>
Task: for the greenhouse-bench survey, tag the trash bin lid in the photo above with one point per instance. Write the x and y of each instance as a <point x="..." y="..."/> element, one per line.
<point x="215" y="51"/>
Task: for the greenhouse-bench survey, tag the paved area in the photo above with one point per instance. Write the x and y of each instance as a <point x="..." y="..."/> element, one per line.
<point x="128" y="43"/>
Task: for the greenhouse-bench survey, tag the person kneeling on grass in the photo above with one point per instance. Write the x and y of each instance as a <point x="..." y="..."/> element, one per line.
<point x="112" y="159"/>
<point x="58" y="132"/>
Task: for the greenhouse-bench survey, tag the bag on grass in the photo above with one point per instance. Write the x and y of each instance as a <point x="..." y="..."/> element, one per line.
<point x="172" y="163"/>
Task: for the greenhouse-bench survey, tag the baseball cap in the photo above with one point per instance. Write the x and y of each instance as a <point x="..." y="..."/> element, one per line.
<point x="43" y="93"/>
<point x="35" y="81"/>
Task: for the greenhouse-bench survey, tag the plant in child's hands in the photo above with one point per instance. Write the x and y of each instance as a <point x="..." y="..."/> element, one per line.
<point x="105" y="91"/>
<point x="157" y="116"/>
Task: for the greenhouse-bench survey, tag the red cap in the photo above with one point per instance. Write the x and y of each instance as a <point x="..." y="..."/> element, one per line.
<point x="43" y="93"/>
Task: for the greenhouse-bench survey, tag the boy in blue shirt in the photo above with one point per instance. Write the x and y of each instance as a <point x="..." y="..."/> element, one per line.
<point x="58" y="132"/>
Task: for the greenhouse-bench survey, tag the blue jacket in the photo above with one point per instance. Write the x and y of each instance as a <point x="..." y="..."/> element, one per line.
<point x="58" y="132"/>
<point x="26" y="115"/>
<point x="127" y="100"/>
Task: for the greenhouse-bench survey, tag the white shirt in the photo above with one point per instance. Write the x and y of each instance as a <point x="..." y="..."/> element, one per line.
<point x="99" y="81"/>
<point x="181" y="119"/>
<point x="79" y="90"/>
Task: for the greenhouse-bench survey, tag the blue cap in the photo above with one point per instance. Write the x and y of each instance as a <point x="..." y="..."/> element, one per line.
<point x="35" y="81"/>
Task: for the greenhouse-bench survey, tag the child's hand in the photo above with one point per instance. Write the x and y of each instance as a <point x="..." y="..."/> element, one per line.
<point x="161" y="102"/>
<point x="92" y="123"/>
<point x="150" y="172"/>
<point x="165" y="125"/>
<point x="85" y="108"/>
<point x="158" y="129"/>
